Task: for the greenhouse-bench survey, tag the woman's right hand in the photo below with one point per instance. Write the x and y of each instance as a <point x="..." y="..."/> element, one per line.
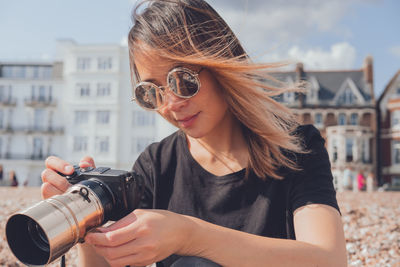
<point x="55" y="184"/>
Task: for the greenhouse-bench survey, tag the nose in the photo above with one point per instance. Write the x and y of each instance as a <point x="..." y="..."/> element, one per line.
<point x="174" y="102"/>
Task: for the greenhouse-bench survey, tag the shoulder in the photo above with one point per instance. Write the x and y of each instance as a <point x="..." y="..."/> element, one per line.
<point x="308" y="134"/>
<point x="166" y="146"/>
<point x="160" y="152"/>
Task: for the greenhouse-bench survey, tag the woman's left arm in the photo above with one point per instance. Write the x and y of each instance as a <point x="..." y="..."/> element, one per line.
<point x="320" y="242"/>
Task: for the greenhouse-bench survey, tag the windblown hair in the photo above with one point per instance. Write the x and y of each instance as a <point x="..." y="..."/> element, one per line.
<point x="191" y="32"/>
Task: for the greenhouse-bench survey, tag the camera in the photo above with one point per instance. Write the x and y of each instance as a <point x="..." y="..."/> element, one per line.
<point x="47" y="230"/>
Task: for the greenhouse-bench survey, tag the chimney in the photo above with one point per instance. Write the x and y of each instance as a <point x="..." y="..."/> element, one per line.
<point x="300" y="76"/>
<point x="299" y="72"/>
<point x="369" y="74"/>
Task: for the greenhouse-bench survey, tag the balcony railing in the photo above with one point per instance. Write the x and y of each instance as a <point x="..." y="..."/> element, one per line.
<point x="34" y="129"/>
<point x="34" y="101"/>
<point x="14" y="156"/>
<point x="8" y="101"/>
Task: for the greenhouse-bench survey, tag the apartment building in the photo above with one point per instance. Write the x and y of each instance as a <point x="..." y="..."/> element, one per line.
<point x="31" y="117"/>
<point x="100" y="118"/>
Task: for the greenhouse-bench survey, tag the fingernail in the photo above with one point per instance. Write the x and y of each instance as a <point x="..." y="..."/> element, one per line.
<point x="68" y="168"/>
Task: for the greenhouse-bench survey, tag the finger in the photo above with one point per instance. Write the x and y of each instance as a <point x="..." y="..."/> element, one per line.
<point x="116" y="237"/>
<point x="87" y="161"/>
<point x="50" y="176"/>
<point x="132" y="260"/>
<point x="59" y="165"/>
<point x="130" y="218"/>
<point x="112" y="253"/>
<point x="48" y="190"/>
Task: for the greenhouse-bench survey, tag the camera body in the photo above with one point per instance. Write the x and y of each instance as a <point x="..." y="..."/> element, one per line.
<point x="47" y="230"/>
<point x="124" y="189"/>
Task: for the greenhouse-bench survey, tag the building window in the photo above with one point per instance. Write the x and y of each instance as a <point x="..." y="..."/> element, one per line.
<point x="318" y="120"/>
<point x="102" y="144"/>
<point x="288" y="97"/>
<point x="104" y="63"/>
<point x="365" y="151"/>
<point x="83" y="89"/>
<point x="80" y="143"/>
<point x="38" y="121"/>
<point x="1" y="119"/>
<point x="103" y="89"/>
<point x="46" y="72"/>
<point x="2" y="93"/>
<point x="103" y="116"/>
<point x="347" y="97"/>
<point x="140" y="144"/>
<point x="342" y="119"/>
<point x="37" y="148"/>
<point x="334" y="150"/>
<point x="396" y="152"/>
<point x="396" y="119"/>
<point x="42" y="93"/>
<point x="349" y="149"/>
<point x="7" y="71"/>
<point x="354" y="119"/>
<point x="83" y="63"/>
<point x="81" y="117"/>
<point x="143" y="118"/>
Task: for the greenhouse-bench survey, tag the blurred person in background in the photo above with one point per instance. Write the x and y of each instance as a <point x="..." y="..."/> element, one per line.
<point x="12" y="177"/>
<point x="240" y="183"/>
<point x="360" y="181"/>
<point x="1" y="172"/>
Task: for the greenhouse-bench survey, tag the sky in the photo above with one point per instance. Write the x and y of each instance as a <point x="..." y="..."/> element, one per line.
<point x="323" y="35"/>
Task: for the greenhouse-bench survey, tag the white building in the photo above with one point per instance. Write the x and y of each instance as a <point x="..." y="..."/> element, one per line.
<point x="78" y="105"/>
<point x="31" y="119"/>
<point x="100" y="118"/>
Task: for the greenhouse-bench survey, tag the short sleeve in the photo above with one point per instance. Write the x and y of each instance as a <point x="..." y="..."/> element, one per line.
<point x="314" y="183"/>
<point x="143" y="168"/>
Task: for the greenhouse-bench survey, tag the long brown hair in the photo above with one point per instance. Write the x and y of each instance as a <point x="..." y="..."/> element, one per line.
<point x="191" y="32"/>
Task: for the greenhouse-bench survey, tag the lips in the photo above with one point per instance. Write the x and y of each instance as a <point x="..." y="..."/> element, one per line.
<point x="187" y="121"/>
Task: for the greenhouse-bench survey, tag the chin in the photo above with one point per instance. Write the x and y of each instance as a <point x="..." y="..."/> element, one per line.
<point x="192" y="133"/>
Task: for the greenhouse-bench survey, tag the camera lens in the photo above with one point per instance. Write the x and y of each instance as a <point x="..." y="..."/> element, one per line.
<point x="27" y="240"/>
<point x="38" y="236"/>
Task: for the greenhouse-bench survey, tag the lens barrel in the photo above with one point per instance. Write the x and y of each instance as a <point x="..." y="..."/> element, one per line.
<point x="47" y="230"/>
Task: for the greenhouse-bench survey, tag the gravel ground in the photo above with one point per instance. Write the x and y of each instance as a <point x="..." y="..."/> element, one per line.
<point x="371" y="223"/>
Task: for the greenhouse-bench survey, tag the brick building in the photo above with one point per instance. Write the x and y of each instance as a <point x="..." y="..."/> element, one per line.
<point x="341" y="104"/>
<point x="388" y="109"/>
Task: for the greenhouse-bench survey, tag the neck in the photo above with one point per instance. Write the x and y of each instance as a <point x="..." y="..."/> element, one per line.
<point x="226" y="138"/>
<point x="223" y="151"/>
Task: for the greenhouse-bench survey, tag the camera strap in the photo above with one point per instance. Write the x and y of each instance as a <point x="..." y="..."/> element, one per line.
<point x="62" y="261"/>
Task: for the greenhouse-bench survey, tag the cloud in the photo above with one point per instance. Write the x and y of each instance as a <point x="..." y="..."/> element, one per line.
<point x="339" y="56"/>
<point x="283" y="21"/>
<point x="395" y="50"/>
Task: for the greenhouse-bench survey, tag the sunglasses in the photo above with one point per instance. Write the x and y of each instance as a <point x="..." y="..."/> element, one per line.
<point x="182" y="82"/>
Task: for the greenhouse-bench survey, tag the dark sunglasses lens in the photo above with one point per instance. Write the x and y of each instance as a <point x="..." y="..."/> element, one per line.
<point x="148" y="96"/>
<point x="183" y="83"/>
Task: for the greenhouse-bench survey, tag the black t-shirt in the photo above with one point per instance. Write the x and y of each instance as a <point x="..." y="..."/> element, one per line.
<point x="175" y="181"/>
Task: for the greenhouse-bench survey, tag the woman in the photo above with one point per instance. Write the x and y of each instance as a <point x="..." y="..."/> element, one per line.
<point x="239" y="184"/>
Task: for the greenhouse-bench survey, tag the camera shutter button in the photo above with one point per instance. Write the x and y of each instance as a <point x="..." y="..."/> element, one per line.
<point x="86" y="169"/>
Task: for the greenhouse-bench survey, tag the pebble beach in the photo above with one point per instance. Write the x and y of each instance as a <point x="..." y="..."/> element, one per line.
<point x="371" y="223"/>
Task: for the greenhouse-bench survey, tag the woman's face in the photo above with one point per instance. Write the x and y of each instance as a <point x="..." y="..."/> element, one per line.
<point x="197" y="116"/>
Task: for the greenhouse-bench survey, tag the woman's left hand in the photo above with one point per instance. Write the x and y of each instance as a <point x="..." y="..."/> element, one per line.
<point x="142" y="238"/>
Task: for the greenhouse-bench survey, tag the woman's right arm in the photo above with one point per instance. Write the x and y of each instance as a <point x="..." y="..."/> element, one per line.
<point x="55" y="184"/>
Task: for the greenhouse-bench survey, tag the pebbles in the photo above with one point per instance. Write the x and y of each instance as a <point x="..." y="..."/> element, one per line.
<point x="371" y="222"/>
